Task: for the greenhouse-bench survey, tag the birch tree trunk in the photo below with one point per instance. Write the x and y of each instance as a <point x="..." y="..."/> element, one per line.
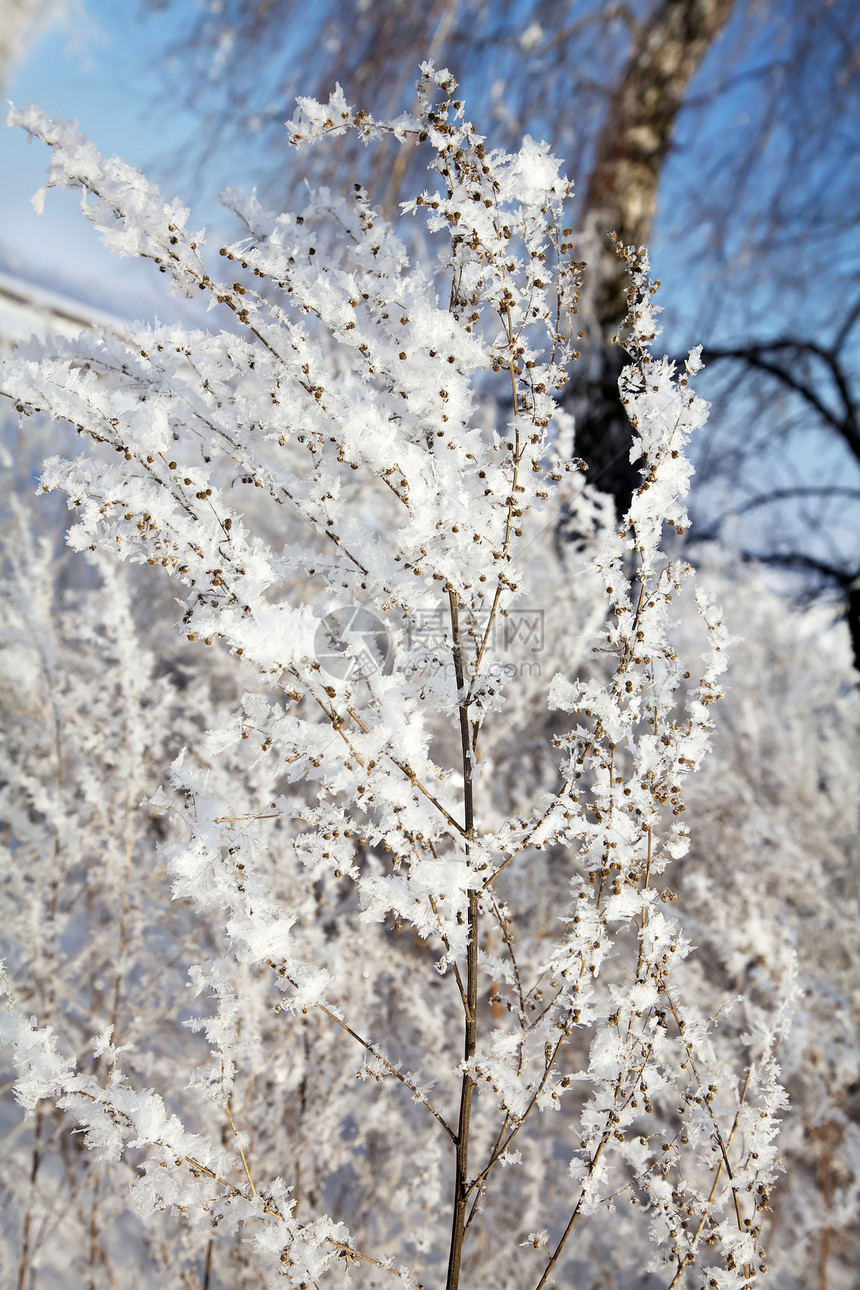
<point x="667" y="50"/>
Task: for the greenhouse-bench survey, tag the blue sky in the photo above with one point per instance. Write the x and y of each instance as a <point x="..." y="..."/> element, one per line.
<point x="98" y="68"/>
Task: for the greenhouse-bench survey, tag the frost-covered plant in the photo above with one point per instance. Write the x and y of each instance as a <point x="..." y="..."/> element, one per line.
<point x="89" y="722"/>
<point x="419" y="953"/>
<point x="770" y="888"/>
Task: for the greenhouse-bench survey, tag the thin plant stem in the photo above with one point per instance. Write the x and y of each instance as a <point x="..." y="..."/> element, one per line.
<point x="467" y="1087"/>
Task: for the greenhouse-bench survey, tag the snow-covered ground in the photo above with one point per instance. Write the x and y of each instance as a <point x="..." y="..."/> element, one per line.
<point x="27" y="309"/>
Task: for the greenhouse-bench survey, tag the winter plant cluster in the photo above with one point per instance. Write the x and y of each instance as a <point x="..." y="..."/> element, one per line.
<point x="341" y="929"/>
